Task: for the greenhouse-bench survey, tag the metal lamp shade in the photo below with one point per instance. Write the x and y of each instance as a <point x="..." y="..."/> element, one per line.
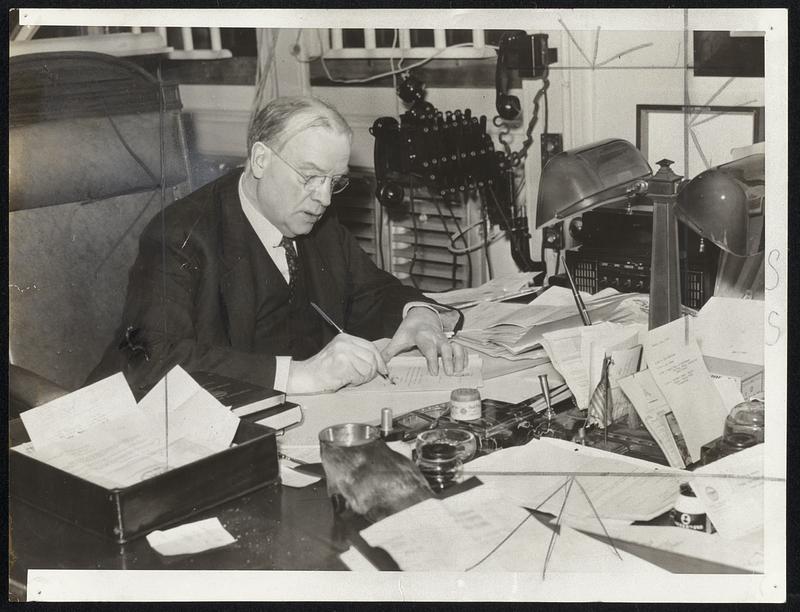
<point x="580" y="179"/>
<point x="726" y="205"/>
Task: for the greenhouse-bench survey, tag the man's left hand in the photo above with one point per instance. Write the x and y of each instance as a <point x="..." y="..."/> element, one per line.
<point x="422" y="328"/>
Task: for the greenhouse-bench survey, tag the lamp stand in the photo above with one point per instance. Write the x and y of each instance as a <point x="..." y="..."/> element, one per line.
<point x="665" y="288"/>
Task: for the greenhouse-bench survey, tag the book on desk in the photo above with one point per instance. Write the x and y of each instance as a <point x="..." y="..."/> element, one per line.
<point x="251" y="402"/>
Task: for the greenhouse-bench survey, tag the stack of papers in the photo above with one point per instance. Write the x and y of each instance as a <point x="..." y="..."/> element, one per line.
<point x="410" y="373"/>
<point x="515" y="332"/>
<point x="100" y="434"/>
<point x="578" y="354"/>
<point x="503" y="287"/>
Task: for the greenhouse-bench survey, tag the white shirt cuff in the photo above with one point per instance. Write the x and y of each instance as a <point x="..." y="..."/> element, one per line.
<point x="281" y="373"/>
<point x="429" y="306"/>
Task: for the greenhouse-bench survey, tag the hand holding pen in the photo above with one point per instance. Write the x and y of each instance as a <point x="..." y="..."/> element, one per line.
<point x="339" y="330"/>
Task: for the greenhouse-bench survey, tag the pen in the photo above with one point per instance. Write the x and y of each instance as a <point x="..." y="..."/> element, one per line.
<point x="333" y="324"/>
<point x="297" y="461"/>
<point x="578" y="301"/>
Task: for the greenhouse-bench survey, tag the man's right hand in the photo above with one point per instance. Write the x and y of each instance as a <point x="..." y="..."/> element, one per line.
<point x="346" y="360"/>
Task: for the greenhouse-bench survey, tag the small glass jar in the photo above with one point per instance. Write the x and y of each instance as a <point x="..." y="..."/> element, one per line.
<point x="465" y="404"/>
<point x="440" y="464"/>
<point x="745" y="420"/>
<point x="462" y="440"/>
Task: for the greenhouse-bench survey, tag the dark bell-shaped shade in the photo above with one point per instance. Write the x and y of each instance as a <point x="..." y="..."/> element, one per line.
<point x="580" y="179"/>
<point x="726" y="205"/>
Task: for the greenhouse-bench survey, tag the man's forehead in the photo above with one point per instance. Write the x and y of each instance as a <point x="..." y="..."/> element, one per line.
<point x="319" y="150"/>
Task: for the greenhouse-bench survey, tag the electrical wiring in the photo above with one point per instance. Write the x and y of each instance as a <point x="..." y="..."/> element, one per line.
<point x="463" y="237"/>
<point x="380" y="238"/>
<point x="394" y="72"/>
<point x="382" y="75"/>
<point x="453" y="237"/>
<point x="415" y="238"/>
<point x="486" y="246"/>
<point x="516" y="157"/>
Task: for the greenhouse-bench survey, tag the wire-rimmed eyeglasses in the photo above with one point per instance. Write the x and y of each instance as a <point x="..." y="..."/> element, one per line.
<point x="312" y="183"/>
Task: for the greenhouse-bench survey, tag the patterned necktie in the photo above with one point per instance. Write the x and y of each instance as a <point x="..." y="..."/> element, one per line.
<point x="293" y="262"/>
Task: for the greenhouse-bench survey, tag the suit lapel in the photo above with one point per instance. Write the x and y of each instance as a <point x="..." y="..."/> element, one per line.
<point x="238" y="293"/>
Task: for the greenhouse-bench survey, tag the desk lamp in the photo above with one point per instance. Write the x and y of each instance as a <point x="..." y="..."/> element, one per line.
<point x="724" y="204"/>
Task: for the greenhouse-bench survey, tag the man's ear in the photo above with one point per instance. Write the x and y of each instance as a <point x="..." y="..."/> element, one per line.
<point x="260" y="158"/>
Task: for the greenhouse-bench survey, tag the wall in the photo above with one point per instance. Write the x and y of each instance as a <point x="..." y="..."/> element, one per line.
<point x="593" y="93"/>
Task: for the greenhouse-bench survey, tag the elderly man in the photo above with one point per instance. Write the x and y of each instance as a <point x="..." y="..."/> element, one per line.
<point x="225" y="278"/>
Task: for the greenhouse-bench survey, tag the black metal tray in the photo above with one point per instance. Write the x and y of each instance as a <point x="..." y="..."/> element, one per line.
<point x="122" y="514"/>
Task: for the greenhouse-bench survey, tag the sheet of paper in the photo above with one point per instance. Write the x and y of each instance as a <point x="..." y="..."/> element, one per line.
<point x="305" y="453"/>
<point x="411" y="374"/>
<point x="624" y="362"/>
<point x="193" y="412"/>
<point x="356" y="562"/>
<point x="480" y="531"/>
<point x="292" y="478"/>
<point x="454" y="534"/>
<point x="120" y="453"/>
<point x="732" y="491"/>
<point x="80" y="410"/>
<point x="731" y="328"/>
<point x="539" y="475"/>
<point x="729" y="390"/>
<point x="560" y="296"/>
<point x="704" y="547"/>
<point x="653" y="410"/>
<point x="497" y="288"/>
<point x="602" y="339"/>
<point x="190" y="538"/>
<point x="564" y="348"/>
<point x="678" y="369"/>
<point x="174" y="389"/>
<point x="486" y="314"/>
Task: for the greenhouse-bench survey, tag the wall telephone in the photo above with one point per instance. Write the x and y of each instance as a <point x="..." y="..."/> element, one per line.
<point x="526" y="55"/>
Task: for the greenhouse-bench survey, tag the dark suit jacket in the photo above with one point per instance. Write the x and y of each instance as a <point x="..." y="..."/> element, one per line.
<point x="191" y="299"/>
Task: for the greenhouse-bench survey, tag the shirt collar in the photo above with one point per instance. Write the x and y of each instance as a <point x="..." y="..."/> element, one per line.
<point x="269" y="235"/>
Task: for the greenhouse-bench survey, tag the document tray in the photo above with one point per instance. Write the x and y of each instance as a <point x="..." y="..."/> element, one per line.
<point x="122" y="514"/>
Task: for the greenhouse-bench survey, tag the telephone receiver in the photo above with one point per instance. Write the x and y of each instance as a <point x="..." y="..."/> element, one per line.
<point x="386" y="131"/>
<point x="522" y="54"/>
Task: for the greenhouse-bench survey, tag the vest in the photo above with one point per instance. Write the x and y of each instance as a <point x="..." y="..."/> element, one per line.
<point x="282" y="328"/>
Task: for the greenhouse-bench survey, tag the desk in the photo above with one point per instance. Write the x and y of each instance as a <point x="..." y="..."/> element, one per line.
<point x="275" y="527"/>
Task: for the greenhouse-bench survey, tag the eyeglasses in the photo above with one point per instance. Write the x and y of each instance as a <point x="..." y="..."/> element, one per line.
<point x="313" y="183"/>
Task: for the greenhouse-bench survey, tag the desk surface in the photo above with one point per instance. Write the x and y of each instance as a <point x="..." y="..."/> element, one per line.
<point x="275" y="527"/>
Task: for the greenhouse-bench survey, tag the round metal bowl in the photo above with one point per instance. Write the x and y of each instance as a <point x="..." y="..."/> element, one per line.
<point x="348" y="434"/>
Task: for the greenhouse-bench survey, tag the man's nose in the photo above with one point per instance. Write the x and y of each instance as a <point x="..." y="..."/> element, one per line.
<point x="323" y="193"/>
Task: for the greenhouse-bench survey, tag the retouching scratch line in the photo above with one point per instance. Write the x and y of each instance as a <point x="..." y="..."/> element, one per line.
<point x="503" y="541"/>
<point x="713" y="97"/>
<point x="699" y="149"/>
<point x="599" y="520"/>
<point x="189" y="234"/>
<point x="124" y="234"/>
<point x="677" y="55"/>
<point x="626" y="52"/>
<point x="575" y="42"/>
<point x="596" y="46"/>
<point x="557" y="531"/>
<point x="715" y="115"/>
